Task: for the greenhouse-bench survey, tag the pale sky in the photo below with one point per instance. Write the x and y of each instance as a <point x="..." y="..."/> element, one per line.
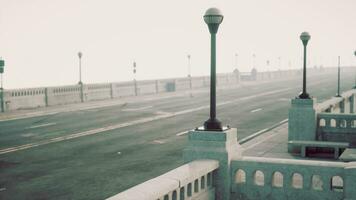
<point x="39" y="39"/>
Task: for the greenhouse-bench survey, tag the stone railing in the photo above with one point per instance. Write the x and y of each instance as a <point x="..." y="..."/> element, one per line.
<point x="48" y="96"/>
<point x="257" y="178"/>
<point x="343" y="104"/>
<point x="336" y="127"/>
<point x="194" y="180"/>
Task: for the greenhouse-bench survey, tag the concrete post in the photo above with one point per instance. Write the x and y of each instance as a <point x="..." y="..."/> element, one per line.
<point x="157" y="86"/>
<point x="217" y="145"/>
<point x="111" y="90"/>
<point x="46" y="96"/>
<point x="351" y="102"/>
<point x="135" y="87"/>
<point x="81" y="92"/>
<point x="2" y="107"/>
<point x="350" y="181"/>
<point x="342" y="106"/>
<point x="302" y="121"/>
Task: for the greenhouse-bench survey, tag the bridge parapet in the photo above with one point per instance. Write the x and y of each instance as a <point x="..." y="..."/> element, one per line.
<point x="336" y="127"/>
<point x="194" y="180"/>
<point x="256" y="178"/>
<point x="343" y="104"/>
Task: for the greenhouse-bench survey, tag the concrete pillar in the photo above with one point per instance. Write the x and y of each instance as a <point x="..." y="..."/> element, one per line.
<point x="2" y="106"/>
<point x="81" y="92"/>
<point x="111" y="90"/>
<point x="351" y="100"/>
<point x="157" y="86"/>
<point x="217" y="145"/>
<point x="350" y="181"/>
<point x="302" y="121"/>
<point x="46" y="96"/>
<point x="342" y="106"/>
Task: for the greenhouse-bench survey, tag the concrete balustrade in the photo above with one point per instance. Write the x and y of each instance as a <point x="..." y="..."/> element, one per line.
<point x="41" y="97"/>
<point x="343" y="104"/>
<point x="24" y="98"/>
<point x="233" y="176"/>
<point x="258" y="178"/>
<point x="192" y="181"/>
<point x="336" y="127"/>
<point x="63" y="95"/>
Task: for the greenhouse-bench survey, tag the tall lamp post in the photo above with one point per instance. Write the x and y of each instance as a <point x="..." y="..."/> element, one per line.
<point x="80" y="55"/>
<point x="355" y="73"/>
<point x="305" y="37"/>
<point x="189" y="72"/>
<point x="253" y="61"/>
<point x="213" y="18"/>
<point x="134" y="73"/>
<point x="2" y="64"/>
<point x="236" y="55"/>
<point x="338" y="78"/>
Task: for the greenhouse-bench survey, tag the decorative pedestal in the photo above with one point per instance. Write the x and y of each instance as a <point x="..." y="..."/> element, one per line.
<point x="302" y="121"/>
<point x="217" y="145"/>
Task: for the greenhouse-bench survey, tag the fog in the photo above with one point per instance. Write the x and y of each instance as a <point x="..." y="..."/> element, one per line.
<point x="40" y="39"/>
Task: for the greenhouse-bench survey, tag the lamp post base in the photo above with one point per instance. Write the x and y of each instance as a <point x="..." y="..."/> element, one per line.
<point x="212" y="125"/>
<point x="304" y="96"/>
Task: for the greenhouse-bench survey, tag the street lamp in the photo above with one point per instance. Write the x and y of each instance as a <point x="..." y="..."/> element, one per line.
<point x="338" y="78"/>
<point x="134" y="73"/>
<point x="80" y="54"/>
<point x="189" y="72"/>
<point x="2" y="64"/>
<point x="355" y="74"/>
<point x="305" y="37"/>
<point x="213" y="18"/>
<point x="253" y="61"/>
<point x="236" y="59"/>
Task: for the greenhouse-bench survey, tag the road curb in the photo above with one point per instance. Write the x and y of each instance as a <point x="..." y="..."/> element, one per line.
<point x="258" y="133"/>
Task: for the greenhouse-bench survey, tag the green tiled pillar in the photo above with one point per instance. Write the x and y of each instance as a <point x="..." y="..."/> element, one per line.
<point x="302" y="121"/>
<point x="217" y="145"/>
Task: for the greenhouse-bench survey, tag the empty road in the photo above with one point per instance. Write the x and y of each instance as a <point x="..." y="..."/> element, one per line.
<point x="95" y="153"/>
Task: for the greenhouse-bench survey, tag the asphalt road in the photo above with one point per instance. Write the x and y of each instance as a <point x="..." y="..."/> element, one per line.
<point x="96" y="153"/>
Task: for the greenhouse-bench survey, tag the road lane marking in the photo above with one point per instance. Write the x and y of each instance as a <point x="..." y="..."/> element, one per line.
<point x="183" y="132"/>
<point x="136" y="109"/>
<point x="28" y="135"/>
<point x="126" y="124"/>
<point x="256" y="110"/>
<point x="42" y="125"/>
<point x="158" y="142"/>
<point x="263" y="140"/>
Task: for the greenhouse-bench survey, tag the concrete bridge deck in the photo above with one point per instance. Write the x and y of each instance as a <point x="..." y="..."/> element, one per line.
<point x="116" y="145"/>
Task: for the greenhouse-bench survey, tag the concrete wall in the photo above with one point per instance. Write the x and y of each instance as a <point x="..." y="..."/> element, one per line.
<point x="24" y="98"/>
<point x="40" y="97"/>
<point x="63" y="95"/>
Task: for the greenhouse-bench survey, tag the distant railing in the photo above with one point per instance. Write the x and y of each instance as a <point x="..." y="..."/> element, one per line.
<point x="270" y="178"/>
<point x="338" y="104"/>
<point x="190" y="181"/>
<point x="59" y="95"/>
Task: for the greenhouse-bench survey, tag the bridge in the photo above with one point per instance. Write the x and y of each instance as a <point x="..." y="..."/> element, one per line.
<point x="112" y="143"/>
<point x="145" y="139"/>
<point x="219" y="167"/>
